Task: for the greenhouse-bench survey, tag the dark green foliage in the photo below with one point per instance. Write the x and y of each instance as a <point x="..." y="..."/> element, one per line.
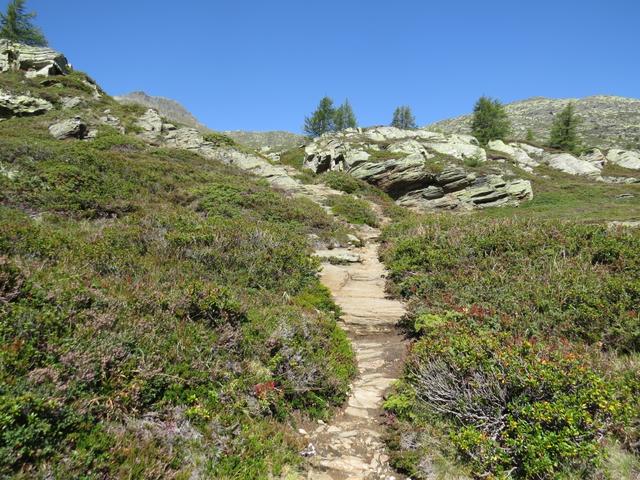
<point x="403" y="118"/>
<point x="532" y="277"/>
<point x="344" y="182"/>
<point x="530" y="137"/>
<point x="322" y="120"/>
<point x="218" y="139"/>
<point x="15" y="25"/>
<point x="490" y="121"/>
<point x="564" y="131"/>
<point x="344" y="117"/>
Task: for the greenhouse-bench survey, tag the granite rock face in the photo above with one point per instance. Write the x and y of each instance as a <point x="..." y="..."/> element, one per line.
<point x="71" y="128"/>
<point x="421" y="169"/>
<point x="34" y="61"/>
<point x="16" y="105"/>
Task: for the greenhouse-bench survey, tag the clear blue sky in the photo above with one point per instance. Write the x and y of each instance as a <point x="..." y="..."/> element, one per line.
<point x="263" y="65"/>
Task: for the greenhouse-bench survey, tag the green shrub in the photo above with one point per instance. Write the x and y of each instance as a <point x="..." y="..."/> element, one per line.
<point x="343" y="182"/>
<point x="524" y="276"/>
<point x="353" y="210"/>
<point x="511" y="406"/>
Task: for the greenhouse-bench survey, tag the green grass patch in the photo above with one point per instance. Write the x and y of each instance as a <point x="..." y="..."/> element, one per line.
<point x="353" y="210"/>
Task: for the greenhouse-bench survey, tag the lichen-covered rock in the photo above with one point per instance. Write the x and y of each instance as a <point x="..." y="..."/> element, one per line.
<point x="624" y="158"/>
<point x="595" y="157"/>
<point x="418" y="168"/>
<point x="567" y="163"/>
<point x="150" y="122"/>
<point x="71" y="128"/>
<point x="518" y="154"/>
<point x="21" y="105"/>
<point x="35" y="61"/>
<point x="111" y="121"/>
<point x="68" y="103"/>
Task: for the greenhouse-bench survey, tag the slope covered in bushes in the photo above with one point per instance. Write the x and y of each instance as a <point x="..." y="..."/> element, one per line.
<point x="160" y="314"/>
<point x="525" y="363"/>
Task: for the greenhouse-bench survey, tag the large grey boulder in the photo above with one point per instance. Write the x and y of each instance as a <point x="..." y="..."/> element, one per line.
<point x="150" y="122"/>
<point x="624" y="158"/>
<point x="525" y="158"/>
<point x="12" y="105"/>
<point x="595" y="157"/>
<point x="35" y="61"/>
<point x="567" y="163"/>
<point x="395" y="176"/>
<point x="71" y="128"/>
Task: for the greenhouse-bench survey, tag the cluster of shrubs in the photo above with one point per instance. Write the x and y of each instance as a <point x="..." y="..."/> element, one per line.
<point x="160" y="314"/>
<point x="525" y="361"/>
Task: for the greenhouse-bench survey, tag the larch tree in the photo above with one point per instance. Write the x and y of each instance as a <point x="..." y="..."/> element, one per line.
<point x="564" y="130"/>
<point x="403" y="118"/>
<point x="490" y="121"/>
<point x="344" y="117"/>
<point x="16" y="25"/>
<point x="322" y="120"/>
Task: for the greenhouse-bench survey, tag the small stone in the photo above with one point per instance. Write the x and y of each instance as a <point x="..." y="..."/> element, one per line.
<point x="310" y="451"/>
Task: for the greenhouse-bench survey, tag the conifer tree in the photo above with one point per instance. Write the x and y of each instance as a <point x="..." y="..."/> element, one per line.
<point x="15" y="25"/>
<point x="345" y="118"/>
<point x="564" y="130"/>
<point x="530" y="136"/>
<point x="322" y="120"/>
<point x="403" y="118"/>
<point x="490" y="121"/>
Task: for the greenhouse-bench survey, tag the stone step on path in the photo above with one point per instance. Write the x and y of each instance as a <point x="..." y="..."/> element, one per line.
<point x="351" y="447"/>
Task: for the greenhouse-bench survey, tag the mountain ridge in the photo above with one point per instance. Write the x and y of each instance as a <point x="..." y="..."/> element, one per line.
<point x="607" y="120"/>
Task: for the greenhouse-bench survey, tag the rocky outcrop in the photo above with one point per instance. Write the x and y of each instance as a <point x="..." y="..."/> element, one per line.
<point x="15" y="105"/>
<point x="193" y="140"/>
<point x="420" y="169"/>
<point x="71" y="128"/>
<point x="34" y="61"/>
<point x="111" y="121"/>
<point x="150" y="123"/>
<point x="567" y="163"/>
<point x="626" y="159"/>
<point x="607" y="121"/>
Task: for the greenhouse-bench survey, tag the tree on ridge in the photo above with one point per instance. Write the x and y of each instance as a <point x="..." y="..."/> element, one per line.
<point x="16" y="25"/>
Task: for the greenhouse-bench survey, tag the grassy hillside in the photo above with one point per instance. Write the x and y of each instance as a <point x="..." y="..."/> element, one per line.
<point x="160" y="315"/>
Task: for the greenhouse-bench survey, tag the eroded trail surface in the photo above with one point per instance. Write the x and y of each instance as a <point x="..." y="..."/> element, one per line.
<point x="351" y="446"/>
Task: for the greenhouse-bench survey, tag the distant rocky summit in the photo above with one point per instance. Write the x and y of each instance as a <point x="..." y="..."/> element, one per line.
<point x="167" y="107"/>
<point x="269" y="141"/>
<point x="607" y="121"/>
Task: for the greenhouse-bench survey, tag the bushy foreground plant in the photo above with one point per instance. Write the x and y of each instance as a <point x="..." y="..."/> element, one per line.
<point x="523" y="329"/>
<point x="513" y="408"/>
